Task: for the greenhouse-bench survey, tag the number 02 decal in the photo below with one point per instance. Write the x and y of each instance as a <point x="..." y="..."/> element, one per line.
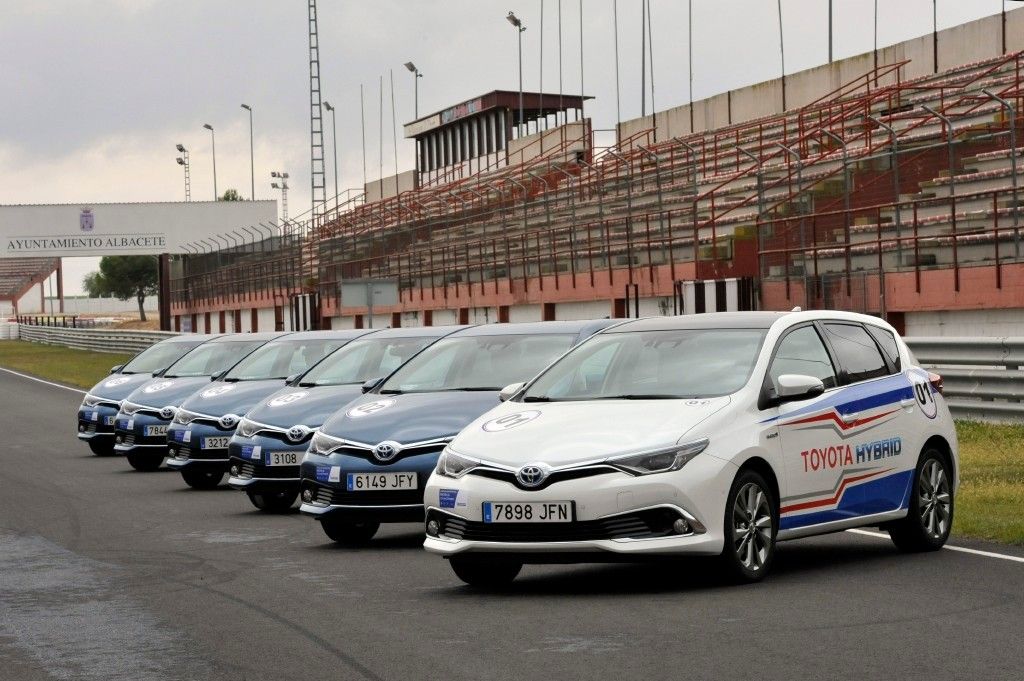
<point x="925" y="398"/>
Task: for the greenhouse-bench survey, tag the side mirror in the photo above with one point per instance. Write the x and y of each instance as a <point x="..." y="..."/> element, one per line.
<point x="509" y="390"/>
<point x="117" y="367"/>
<point x="219" y="375"/>
<point x="372" y="383"/>
<point x="798" y="387"/>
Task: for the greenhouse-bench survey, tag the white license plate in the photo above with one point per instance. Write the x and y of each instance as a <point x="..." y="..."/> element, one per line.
<point x="528" y="512"/>
<point x="283" y="458"/>
<point x="219" y="442"/>
<point x="375" y="482"/>
<point x="153" y="431"/>
<point x="109" y="420"/>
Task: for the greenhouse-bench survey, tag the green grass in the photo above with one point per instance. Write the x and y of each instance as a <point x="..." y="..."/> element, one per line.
<point x="80" y="368"/>
<point x="990" y="504"/>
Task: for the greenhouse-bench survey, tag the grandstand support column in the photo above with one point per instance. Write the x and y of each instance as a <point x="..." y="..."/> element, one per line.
<point x="629" y="192"/>
<point x="570" y="178"/>
<point x="894" y="151"/>
<point x="948" y="124"/>
<point x="803" y="223"/>
<point x="846" y="199"/>
<point x="1015" y="210"/>
<point x="60" y="285"/>
<point x="760" y="198"/>
<point x="163" y="293"/>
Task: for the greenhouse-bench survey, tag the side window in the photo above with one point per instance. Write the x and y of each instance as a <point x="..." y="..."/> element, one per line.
<point x="888" y="343"/>
<point x="802" y="352"/>
<point x="858" y="355"/>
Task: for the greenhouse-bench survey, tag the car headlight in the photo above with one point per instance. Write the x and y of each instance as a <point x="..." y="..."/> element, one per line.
<point x="324" y="444"/>
<point x="247" y="428"/>
<point x="130" y="407"/>
<point x="184" y="417"/>
<point x="452" y="465"/>
<point x="662" y="460"/>
<point x="168" y="412"/>
<point x="90" y="401"/>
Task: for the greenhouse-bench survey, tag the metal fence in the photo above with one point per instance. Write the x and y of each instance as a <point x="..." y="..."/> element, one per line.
<point x="98" y="340"/>
<point x="983" y="377"/>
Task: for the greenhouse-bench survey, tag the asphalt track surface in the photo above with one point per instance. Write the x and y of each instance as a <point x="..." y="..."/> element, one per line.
<point x="106" y="573"/>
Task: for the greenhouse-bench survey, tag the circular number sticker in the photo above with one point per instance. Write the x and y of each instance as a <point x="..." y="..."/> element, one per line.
<point x="157" y="387"/>
<point x="286" y="399"/>
<point x="509" y="421"/>
<point x="219" y="390"/>
<point x="120" y="380"/>
<point x="924" y="396"/>
<point x="368" y="408"/>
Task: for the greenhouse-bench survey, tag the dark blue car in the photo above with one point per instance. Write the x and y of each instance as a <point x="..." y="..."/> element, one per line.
<point x="140" y="431"/>
<point x="97" y="414"/>
<point x="272" y="437"/>
<point x="368" y="463"/>
<point x="198" y="437"/>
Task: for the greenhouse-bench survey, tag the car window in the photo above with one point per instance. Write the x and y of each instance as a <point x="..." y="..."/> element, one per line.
<point x="362" y="360"/>
<point x="158" y="356"/>
<point x="281" y="359"/>
<point x="888" y="343"/>
<point x="802" y="352"/>
<point x="210" y="358"/>
<point x="858" y="356"/>
<point x="671" y="364"/>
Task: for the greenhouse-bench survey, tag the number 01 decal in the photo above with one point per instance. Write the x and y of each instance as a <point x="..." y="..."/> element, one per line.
<point x="510" y="421"/>
<point x="925" y="398"/>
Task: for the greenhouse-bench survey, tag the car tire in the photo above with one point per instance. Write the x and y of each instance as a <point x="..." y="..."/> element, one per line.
<point x="274" y="502"/>
<point x="143" y="461"/>
<point x="485" y="573"/>
<point x="101" y="446"/>
<point x="751" y="525"/>
<point x="349" y="532"/>
<point x="202" y="479"/>
<point x="930" y="516"/>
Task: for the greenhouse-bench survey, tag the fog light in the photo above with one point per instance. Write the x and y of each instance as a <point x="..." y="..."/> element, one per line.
<point x="307" y="495"/>
<point x="81" y="428"/>
<point x="433" y="528"/>
<point x="171" y="451"/>
<point x="118" y="439"/>
<point x="234" y="470"/>
<point x="681" y="527"/>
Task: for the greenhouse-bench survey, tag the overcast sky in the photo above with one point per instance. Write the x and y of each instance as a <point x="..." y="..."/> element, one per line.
<point x="98" y="92"/>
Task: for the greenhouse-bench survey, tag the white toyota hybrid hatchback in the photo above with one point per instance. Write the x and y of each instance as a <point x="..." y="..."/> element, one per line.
<point x="714" y="434"/>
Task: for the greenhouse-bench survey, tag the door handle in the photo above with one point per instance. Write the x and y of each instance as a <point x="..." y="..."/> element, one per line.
<point x="849" y="418"/>
<point x="908" y="402"/>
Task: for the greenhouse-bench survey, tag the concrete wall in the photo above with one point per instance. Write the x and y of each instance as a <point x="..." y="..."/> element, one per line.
<point x="265" y="318"/>
<point x="525" y="313"/>
<point x="386" y="187"/>
<point x="32" y="302"/>
<point x="102" y="305"/>
<point x="592" y="309"/>
<point x="958" y="45"/>
<point x="539" y="143"/>
<point x="966" y="323"/>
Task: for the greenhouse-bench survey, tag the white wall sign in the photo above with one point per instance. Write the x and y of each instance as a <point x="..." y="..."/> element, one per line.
<point x="67" y="230"/>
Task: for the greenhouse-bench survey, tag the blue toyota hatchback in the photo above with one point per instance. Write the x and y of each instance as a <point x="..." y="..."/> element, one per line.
<point x="140" y="431"/>
<point x="272" y="437"/>
<point x="198" y="437"/>
<point x="369" y="462"/>
<point x="98" y="411"/>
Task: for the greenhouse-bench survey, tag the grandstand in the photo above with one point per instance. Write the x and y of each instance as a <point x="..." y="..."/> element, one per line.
<point x="19" y="279"/>
<point x="889" y="195"/>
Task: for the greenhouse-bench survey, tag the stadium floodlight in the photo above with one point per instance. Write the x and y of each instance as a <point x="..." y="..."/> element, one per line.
<point x="283" y="186"/>
<point x="213" y="146"/>
<point x="181" y="161"/>
<point x="180" y="148"/>
<point x="416" y="88"/>
<point x="518" y="25"/>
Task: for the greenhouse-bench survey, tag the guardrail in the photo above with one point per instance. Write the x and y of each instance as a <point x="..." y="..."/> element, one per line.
<point x="983" y="378"/>
<point x="98" y="340"/>
<point x="61" y="320"/>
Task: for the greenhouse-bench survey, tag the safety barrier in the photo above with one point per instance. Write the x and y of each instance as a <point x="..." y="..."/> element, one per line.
<point x="99" y="340"/>
<point x="983" y="377"/>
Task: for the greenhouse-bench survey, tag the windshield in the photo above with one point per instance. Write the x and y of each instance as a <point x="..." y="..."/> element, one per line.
<point x="159" y="356"/>
<point x="684" y="363"/>
<point x="362" y="360"/>
<point x="208" y="359"/>
<point x="477" y="363"/>
<point x="283" y="358"/>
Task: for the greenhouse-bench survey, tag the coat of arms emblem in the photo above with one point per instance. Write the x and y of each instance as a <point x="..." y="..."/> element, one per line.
<point x="86" y="220"/>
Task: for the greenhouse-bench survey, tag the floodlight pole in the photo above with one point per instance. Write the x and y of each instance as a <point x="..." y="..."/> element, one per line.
<point x="213" y="146"/>
<point x="252" y="157"/>
<point x="518" y="25"/>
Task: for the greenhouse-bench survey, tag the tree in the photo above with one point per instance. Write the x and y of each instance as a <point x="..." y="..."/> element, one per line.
<point x="231" y="195"/>
<point x="124" y="277"/>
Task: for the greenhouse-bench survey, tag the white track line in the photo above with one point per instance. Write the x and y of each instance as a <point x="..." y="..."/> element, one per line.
<point x="39" y="380"/>
<point x="976" y="552"/>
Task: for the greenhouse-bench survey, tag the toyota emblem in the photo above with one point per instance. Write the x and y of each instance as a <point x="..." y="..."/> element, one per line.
<point x="386" y="450"/>
<point x="531" y="475"/>
<point x="296" y="433"/>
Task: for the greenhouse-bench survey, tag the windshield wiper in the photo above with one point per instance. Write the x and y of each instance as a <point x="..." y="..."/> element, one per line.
<point x="393" y="391"/>
<point x="480" y="389"/>
<point x="639" y="396"/>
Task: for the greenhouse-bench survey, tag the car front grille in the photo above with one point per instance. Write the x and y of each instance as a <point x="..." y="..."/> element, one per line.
<point x="555" y="476"/>
<point x="128" y="440"/>
<point x="367" y="454"/>
<point x="246" y="470"/>
<point x="328" y="496"/>
<point x="90" y="428"/>
<point x="646" y="524"/>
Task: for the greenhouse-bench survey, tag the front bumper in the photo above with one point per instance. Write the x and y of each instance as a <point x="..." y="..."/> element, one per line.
<point x="130" y="434"/>
<point x="324" y="488"/>
<point x="188" y="447"/>
<point x="249" y="459"/>
<point x="96" y="421"/>
<point x="615" y="515"/>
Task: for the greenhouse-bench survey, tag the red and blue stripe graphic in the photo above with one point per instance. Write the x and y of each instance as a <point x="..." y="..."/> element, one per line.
<point x="856" y="495"/>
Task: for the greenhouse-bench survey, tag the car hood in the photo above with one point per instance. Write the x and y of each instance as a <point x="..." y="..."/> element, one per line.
<point x="220" y="397"/>
<point x="116" y="387"/>
<point x="565" y="433"/>
<point x="412" y="417"/>
<point x="163" y="392"/>
<point x="309" y="406"/>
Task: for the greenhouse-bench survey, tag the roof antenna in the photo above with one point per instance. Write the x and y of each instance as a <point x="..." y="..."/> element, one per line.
<point x="796" y="309"/>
